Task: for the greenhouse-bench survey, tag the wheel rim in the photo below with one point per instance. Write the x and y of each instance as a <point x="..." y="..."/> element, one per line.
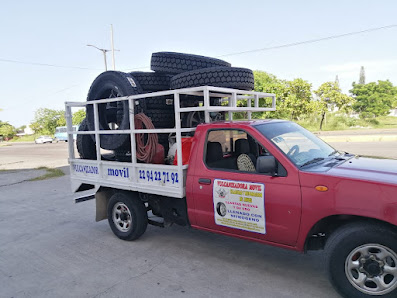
<point x="122" y="217"/>
<point x="372" y="269"/>
<point x="112" y="120"/>
<point x="195" y="118"/>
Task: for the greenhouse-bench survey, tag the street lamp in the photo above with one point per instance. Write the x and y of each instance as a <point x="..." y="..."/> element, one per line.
<point x="104" y="54"/>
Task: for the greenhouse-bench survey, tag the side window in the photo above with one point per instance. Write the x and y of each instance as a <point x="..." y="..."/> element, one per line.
<point x="232" y="150"/>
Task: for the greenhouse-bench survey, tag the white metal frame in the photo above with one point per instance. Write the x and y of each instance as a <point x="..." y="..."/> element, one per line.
<point x="98" y="176"/>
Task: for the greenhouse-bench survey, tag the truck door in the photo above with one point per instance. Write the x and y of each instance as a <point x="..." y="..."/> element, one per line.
<point x="232" y="198"/>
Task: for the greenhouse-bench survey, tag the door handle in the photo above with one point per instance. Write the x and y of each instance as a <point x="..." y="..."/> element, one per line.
<point x="205" y="181"/>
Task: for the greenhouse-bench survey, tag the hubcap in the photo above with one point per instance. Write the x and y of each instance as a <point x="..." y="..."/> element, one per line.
<point x="372" y="269"/>
<point x="122" y="217"/>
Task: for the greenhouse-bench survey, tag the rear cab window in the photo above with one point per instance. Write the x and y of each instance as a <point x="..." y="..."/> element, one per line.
<point x="234" y="150"/>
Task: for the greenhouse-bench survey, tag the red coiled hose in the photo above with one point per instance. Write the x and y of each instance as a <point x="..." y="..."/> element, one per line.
<point x="145" y="151"/>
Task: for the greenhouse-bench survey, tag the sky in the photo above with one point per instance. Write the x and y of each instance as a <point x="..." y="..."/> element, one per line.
<point x="55" y="35"/>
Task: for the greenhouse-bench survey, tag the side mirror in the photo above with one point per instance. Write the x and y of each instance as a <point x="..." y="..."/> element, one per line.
<point x="266" y="164"/>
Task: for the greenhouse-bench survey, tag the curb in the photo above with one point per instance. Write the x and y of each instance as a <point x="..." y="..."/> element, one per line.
<point x="359" y="138"/>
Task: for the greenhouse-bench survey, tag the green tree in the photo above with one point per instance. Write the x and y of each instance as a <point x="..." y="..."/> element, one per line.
<point x="7" y="131"/>
<point x="46" y="120"/>
<point x="268" y="83"/>
<point x="374" y="99"/>
<point x="78" y="117"/>
<point x="297" y="99"/>
<point x="293" y="98"/>
<point x="330" y="96"/>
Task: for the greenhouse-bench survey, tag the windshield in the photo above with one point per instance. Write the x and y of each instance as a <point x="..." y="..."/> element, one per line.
<point x="299" y="145"/>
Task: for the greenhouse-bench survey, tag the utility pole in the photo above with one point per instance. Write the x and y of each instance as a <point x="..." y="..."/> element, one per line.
<point x="112" y="42"/>
<point x="104" y="54"/>
<point x="104" y="51"/>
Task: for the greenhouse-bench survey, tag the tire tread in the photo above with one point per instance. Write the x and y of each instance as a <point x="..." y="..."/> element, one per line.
<point x="175" y="63"/>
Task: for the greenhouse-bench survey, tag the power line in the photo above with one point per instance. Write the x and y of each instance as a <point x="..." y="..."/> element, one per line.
<point x="225" y="55"/>
<point x="309" y="41"/>
<point x="65" y="89"/>
<point x="300" y="42"/>
<point x="46" y="64"/>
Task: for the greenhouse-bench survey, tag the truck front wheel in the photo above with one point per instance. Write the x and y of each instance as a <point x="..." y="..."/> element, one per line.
<point x="361" y="260"/>
<point x="127" y="216"/>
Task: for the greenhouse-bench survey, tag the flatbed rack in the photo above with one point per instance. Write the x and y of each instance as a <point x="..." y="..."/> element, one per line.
<point x="165" y="180"/>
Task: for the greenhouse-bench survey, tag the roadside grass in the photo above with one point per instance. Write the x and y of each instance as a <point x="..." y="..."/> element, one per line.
<point x="30" y="138"/>
<point x="333" y="121"/>
<point x="338" y="122"/>
<point x="51" y="173"/>
<point x="387" y="122"/>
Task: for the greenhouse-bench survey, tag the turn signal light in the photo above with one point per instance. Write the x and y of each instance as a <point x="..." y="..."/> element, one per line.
<point x="321" y="188"/>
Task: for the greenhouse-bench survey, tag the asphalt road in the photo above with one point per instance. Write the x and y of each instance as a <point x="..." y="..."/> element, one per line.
<point x="51" y="247"/>
<point x="380" y="149"/>
<point x="30" y="156"/>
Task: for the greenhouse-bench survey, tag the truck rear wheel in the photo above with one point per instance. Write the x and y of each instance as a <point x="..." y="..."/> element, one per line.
<point x="361" y="260"/>
<point x="127" y="216"/>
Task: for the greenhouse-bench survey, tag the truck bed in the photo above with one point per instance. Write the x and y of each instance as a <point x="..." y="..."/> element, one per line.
<point x="160" y="179"/>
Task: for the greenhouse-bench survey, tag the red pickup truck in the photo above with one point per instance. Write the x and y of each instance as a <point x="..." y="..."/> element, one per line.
<point x="269" y="181"/>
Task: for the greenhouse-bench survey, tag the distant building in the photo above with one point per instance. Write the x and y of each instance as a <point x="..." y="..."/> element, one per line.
<point x="26" y="132"/>
<point x="393" y="113"/>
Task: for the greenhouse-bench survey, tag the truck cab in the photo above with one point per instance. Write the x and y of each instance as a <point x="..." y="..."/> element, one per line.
<point x="263" y="204"/>
<point x="308" y="188"/>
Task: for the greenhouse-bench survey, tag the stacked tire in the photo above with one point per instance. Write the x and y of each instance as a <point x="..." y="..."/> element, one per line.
<point x="169" y="71"/>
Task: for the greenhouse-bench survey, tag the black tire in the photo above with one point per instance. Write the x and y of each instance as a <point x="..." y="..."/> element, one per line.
<point x="221" y="209"/>
<point x="174" y="63"/>
<point x="350" y="249"/>
<point x="159" y="102"/>
<point x="195" y="101"/>
<point x="193" y="119"/>
<point x="163" y="140"/>
<point x="130" y="221"/>
<point x="112" y="84"/>
<point x="162" y="118"/>
<point x="123" y="155"/>
<point x="152" y="81"/>
<point x="229" y="77"/>
<point x="85" y="145"/>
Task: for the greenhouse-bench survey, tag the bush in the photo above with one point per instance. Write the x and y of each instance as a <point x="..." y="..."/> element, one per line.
<point x="367" y="115"/>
